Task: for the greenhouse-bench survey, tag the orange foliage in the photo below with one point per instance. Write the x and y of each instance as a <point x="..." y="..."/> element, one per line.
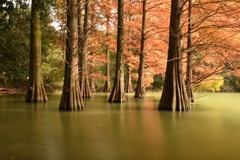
<point x="216" y="36"/>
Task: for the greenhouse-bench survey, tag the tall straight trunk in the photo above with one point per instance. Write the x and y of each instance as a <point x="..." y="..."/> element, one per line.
<point x="107" y="86"/>
<point x="71" y="95"/>
<point x="128" y="83"/>
<point x="85" y="84"/>
<point x="140" y="89"/>
<point x="80" y="37"/>
<point x="189" y="55"/>
<point x="35" y="90"/>
<point x="174" y="95"/>
<point x="117" y="93"/>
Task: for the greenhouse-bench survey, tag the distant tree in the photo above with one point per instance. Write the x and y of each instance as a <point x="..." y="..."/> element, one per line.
<point x="14" y="43"/>
<point x="107" y="85"/>
<point x="158" y="82"/>
<point x="128" y="83"/>
<point x="71" y="99"/>
<point x="117" y="93"/>
<point x="174" y="96"/>
<point x="35" y="90"/>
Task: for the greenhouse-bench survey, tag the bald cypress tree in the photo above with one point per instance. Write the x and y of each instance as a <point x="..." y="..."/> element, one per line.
<point x="117" y="93"/>
<point x="35" y="90"/>
<point x="71" y="95"/>
<point x="140" y="89"/>
<point x="174" y="96"/>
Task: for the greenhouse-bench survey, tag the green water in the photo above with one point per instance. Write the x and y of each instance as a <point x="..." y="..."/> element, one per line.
<point x="134" y="130"/>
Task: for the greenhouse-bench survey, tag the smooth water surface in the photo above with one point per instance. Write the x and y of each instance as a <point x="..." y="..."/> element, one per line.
<point x="134" y="130"/>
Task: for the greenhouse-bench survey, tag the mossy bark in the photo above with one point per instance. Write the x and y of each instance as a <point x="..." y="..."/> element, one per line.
<point x="35" y="90"/>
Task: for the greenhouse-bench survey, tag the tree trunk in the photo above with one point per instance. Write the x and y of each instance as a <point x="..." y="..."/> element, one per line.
<point x="189" y="55"/>
<point x="128" y="82"/>
<point x="80" y="38"/>
<point x="174" y="96"/>
<point x="85" y="84"/>
<point x="117" y="93"/>
<point x="35" y="90"/>
<point x="140" y="89"/>
<point x="107" y="86"/>
<point x="71" y="95"/>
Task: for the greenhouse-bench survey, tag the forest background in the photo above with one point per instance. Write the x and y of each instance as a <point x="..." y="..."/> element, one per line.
<point x="215" y="43"/>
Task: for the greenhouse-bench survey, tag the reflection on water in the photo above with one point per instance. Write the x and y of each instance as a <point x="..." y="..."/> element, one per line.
<point x="128" y="131"/>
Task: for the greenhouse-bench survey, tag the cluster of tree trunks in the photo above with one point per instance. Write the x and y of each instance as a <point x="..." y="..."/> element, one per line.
<point x="175" y="96"/>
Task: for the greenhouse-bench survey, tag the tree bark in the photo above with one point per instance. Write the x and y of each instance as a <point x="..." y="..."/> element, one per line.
<point x="35" y="90"/>
<point x="80" y="38"/>
<point x="140" y="89"/>
<point x="174" y="96"/>
<point x="85" y="84"/>
<point x="71" y="95"/>
<point x="117" y="93"/>
<point x="189" y="55"/>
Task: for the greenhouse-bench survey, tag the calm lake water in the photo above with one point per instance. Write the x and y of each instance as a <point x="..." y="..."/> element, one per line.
<point x="134" y="130"/>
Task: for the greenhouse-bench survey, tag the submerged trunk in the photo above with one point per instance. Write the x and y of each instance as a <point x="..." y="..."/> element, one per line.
<point x="35" y="90"/>
<point x="140" y="89"/>
<point x="117" y="93"/>
<point x="189" y="56"/>
<point x="71" y="95"/>
<point x="174" y="96"/>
